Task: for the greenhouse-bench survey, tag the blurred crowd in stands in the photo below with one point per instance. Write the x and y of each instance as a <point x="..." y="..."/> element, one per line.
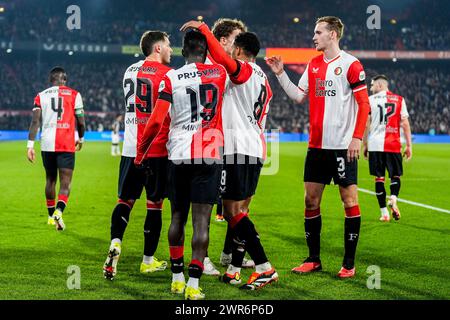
<point x="99" y="78"/>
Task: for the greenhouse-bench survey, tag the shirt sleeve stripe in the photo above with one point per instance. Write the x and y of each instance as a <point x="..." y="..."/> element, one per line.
<point x="165" y="96"/>
<point x="357" y="84"/>
<point x="238" y="70"/>
<point x="360" y="88"/>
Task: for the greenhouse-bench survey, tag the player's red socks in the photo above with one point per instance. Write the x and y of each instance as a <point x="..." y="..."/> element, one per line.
<point x="62" y="202"/>
<point x="351" y="235"/>
<point x="176" y="258"/>
<point x="51" y="206"/>
<point x="152" y="227"/>
<point x="313" y="227"/>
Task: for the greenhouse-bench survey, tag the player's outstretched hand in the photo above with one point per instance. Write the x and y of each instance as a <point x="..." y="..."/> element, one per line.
<point x="191" y="24"/>
<point x="276" y="64"/>
<point x="31" y="155"/>
<point x="78" y="145"/>
<point x="407" y="153"/>
<point x="353" y="150"/>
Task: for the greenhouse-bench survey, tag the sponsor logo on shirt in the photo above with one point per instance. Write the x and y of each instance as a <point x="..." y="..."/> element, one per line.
<point x="390" y="129"/>
<point x="322" y="88"/>
<point x="338" y="71"/>
<point x="315" y="70"/>
<point x="207" y="73"/>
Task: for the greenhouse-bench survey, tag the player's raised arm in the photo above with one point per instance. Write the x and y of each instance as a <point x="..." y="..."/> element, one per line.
<point x="34" y="126"/>
<point x="217" y="52"/>
<point x="81" y="124"/>
<point x="294" y="92"/>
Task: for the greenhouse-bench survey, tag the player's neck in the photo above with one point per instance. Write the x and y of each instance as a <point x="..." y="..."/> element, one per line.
<point x="332" y="52"/>
<point x="58" y="84"/>
<point x="154" y="58"/>
<point x="190" y="60"/>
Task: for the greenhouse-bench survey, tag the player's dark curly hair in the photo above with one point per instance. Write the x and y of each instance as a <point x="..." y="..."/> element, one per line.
<point x="57" y="74"/>
<point x="149" y="38"/>
<point x="249" y="42"/>
<point x="224" y="27"/>
<point x="194" y="44"/>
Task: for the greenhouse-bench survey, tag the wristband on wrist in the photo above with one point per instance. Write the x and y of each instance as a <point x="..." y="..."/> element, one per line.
<point x="30" y="144"/>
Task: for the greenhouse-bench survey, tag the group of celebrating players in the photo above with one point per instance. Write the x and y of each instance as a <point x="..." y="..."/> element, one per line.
<point x="196" y="133"/>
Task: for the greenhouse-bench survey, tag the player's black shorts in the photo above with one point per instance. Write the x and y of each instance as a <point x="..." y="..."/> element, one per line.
<point x="193" y="183"/>
<point x="153" y="177"/>
<point x="380" y="161"/>
<point x="322" y="165"/>
<point x="56" y="160"/>
<point x="240" y="177"/>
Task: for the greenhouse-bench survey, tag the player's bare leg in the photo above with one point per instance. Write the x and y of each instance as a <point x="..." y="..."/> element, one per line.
<point x="349" y="197"/>
<point x="313" y="226"/>
<point x="245" y="234"/>
<point x="176" y="246"/>
<point x="65" y="179"/>
<point x="201" y="215"/>
<point x="50" y="194"/>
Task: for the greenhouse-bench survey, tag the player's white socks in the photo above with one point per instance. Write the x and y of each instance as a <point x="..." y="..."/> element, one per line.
<point x="116" y="240"/>
<point x="394" y="199"/>
<point x="178" y="277"/>
<point x="384" y="212"/>
<point x="192" y="282"/>
<point x="232" y="269"/>
<point x="147" y="259"/>
<point x="263" y="267"/>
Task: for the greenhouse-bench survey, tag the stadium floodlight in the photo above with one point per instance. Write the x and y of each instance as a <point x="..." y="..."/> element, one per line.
<point x="2" y="9"/>
<point x="70" y="53"/>
<point x="9" y="50"/>
<point x="136" y="55"/>
<point x="200" y="18"/>
<point x="393" y="21"/>
<point x="296" y="20"/>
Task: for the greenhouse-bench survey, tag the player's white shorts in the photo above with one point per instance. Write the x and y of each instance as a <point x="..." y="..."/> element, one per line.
<point x="115" y="138"/>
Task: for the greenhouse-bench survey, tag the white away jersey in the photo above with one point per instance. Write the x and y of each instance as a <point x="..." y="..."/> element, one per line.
<point x="386" y="112"/>
<point x="246" y="105"/>
<point x="58" y="105"/>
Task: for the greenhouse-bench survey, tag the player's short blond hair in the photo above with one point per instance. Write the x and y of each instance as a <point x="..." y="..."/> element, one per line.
<point x="224" y="27"/>
<point x="333" y="24"/>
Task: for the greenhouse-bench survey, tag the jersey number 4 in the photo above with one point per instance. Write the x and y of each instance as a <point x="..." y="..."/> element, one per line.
<point x="385" y="112"/>
<point x="58" y="108"/>
<point x="143" y="95"/>
<point x="208" y="100"/>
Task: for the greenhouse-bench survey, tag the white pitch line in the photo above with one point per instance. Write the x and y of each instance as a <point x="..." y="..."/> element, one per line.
<point x="410" y="202"/>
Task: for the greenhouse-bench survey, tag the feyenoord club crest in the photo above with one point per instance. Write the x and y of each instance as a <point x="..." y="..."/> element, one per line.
<point x="338" y="71"/>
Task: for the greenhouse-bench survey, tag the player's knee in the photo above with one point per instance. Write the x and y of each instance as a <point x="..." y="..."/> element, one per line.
<point x="350" y="201"/>
<point x="312" y="202"/>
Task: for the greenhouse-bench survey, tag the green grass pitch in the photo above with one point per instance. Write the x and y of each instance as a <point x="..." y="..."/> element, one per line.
<point x="413" y="254"/>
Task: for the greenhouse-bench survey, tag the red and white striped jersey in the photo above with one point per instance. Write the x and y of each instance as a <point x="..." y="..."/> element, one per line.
<point x="332" y="105"/>
<point x="246" y="105"/>
<point x="140" y="86"/>
<point x="58" y="105"/>
<point x="387" y="109"/>
<point x="195" y="92"/>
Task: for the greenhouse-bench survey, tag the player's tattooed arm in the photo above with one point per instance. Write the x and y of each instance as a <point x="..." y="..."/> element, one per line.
<point x="34" y="127"/>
